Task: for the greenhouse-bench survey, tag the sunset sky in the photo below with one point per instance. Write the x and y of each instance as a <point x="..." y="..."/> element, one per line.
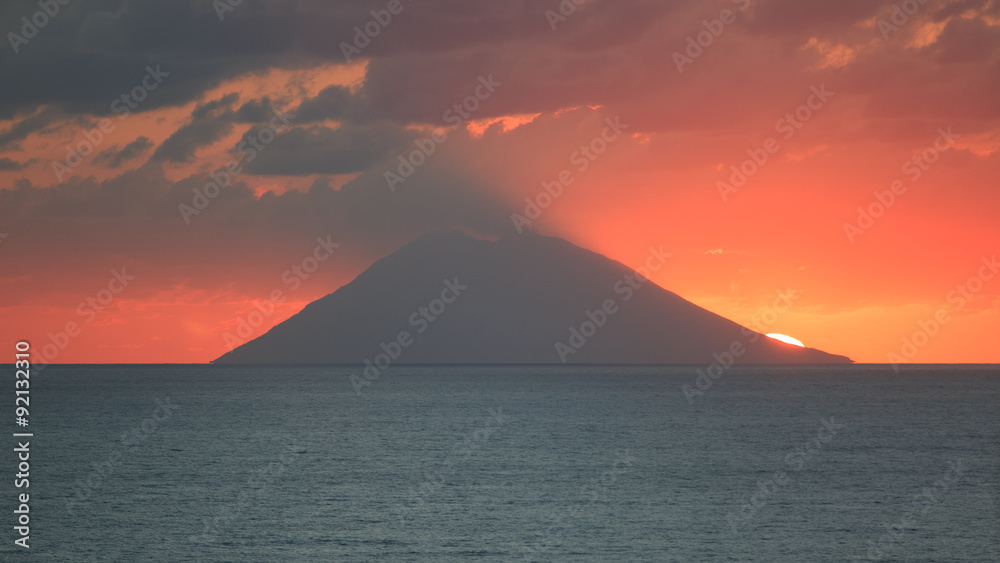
<point x="113" y="113"/>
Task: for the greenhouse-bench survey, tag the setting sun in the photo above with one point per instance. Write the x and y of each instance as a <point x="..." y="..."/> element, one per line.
<point x="787" y="339"/>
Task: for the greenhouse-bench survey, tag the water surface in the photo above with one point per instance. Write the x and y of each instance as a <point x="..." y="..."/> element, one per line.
<point x="464" y="463"/>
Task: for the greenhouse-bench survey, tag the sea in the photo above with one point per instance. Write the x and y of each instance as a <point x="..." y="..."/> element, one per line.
<point x="520" y="463"/>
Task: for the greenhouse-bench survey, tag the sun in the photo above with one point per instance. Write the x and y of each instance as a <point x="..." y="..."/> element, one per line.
<point x="787" y="339"/>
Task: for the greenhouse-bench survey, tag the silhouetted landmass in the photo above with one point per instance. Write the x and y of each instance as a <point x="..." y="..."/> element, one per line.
<point x="522" y="296"/>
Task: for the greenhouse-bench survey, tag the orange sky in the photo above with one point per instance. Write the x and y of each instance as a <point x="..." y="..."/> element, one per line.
<point x="890" y="97"/>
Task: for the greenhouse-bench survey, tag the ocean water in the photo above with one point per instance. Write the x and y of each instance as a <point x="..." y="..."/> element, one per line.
<point x="440" y="464"/>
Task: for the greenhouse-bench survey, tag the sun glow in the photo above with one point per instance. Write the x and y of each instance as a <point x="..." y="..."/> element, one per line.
<point x="787" y="339"/>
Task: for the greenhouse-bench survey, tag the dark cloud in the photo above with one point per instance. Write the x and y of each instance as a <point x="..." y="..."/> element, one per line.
<point x="321" y="150"/>
<point x="116" y="156"/>
<point x="92" y="53"/>
<point x="215" y="108"/>
<point x="337" y="103"/>
<point x="616" y="54"/>
<point x="255" y="111"/>
<point x="7" y="164"/>
<point x="209" y="123"/>
<point x="39" y="122"/>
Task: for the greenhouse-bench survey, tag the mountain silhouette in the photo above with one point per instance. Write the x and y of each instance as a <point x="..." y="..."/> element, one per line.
<point x="449" y="298"/>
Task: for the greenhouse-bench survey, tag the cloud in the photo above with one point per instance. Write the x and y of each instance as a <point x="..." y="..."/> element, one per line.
<point x="255" y="111"/>
<point x="9" y="165"/>
<point x="965" y="41"/>
<point x="116" y="156"/>
<point x="335" y="103"/>
<point x="209" y="123"/>
<point x="322" y="150"/>
<point x="612" y="54"/>
<point x="92" y="53"/>
<point x="35" y="123"/>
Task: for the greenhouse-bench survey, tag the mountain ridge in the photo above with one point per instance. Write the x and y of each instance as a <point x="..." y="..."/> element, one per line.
<point x="527" y="299"/>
